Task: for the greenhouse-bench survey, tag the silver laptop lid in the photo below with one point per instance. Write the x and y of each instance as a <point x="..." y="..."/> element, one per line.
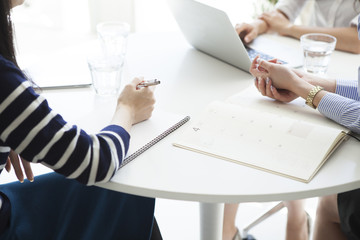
<point x="209" y="30"/>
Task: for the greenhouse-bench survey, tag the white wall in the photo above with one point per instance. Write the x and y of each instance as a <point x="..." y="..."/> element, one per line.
<point x="81" y="16"/>
<point x="111" y="10"/>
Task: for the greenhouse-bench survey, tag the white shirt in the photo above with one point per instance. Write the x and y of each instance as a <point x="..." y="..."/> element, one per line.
<point x="326" y="13"/>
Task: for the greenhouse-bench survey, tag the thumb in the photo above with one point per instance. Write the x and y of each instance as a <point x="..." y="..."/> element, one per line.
<point x="264" y="65"/>
<point x="250" y="36"/>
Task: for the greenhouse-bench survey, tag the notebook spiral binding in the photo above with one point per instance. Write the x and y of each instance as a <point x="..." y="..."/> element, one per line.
<point x="154" y="141"/>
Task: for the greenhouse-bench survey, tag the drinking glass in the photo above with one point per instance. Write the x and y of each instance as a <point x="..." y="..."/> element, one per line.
<point x="317" y="49"/>
<point x="113" y="37"/>
<point x="106" y="73"/>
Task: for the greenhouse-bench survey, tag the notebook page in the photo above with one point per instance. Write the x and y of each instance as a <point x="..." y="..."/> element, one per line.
<point x="266" y="141"/>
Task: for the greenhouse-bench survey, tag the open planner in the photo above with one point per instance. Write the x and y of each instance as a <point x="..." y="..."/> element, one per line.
<point x="291" y="139"/>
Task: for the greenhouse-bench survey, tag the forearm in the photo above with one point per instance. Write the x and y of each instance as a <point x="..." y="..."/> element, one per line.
<point x="329" y="85"/>
<point x="302" y="88"/>
<point x="260" y="25"/>
<point x="123" y="117"/>
<point x="347" y="38"/>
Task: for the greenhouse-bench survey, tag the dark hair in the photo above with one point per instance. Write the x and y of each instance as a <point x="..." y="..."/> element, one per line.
<point x="7" y="48"/>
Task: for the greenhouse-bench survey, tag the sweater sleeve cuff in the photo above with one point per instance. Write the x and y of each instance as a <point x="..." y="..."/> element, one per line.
<point x="123" y="134"/>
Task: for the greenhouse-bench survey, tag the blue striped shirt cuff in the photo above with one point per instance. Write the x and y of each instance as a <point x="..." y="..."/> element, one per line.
<point x="342" y="110"/>
<point x="347" y="89"/>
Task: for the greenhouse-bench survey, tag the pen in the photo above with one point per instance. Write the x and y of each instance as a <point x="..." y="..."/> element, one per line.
<point x="147" y="83"/>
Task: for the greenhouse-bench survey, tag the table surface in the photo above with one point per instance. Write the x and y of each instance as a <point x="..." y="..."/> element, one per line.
<point x="190" y="80"/>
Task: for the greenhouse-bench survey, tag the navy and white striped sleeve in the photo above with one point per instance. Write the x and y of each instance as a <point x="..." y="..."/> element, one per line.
<point x="31" y="128"/>
<point x="343" y="106"/>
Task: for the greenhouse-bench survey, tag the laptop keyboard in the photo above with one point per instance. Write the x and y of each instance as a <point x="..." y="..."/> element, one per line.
<point x="253" y="53"/>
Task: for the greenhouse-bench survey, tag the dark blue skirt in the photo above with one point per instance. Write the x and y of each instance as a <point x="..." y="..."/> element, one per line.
<point x="349" y="213"/>
<point x="53" y="207"/>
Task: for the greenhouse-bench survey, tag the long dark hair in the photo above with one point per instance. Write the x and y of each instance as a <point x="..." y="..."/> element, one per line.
<point x="7" y="48"/>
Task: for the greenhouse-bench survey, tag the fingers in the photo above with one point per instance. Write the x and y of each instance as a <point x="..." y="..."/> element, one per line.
<point x="269" y="16"/>
<point x="269" y="88"/>
<point x="278" y="96"/>
<point x="240" y="28"/>
<point x="15" y="161"/>
<point x="250" y="36"/>
<point x="28" y="171"/>
<point x="265" y="14"/>
<point x="266" y="17"/>
<point x="256" y="81"/>
<point x="264" y="86"/>
<point x="246" y="32"/>
<point x="139" y="80"/>
<point x="256" y="70"/>
<point x="136" y="81"/>
<point x="254" y="64"/>
<point x="8" y="165"/>
<point x="265" y="64"/>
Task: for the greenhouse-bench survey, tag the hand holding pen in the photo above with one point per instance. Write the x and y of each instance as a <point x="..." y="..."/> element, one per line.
<point x="147" y="83"/>
<point x="134" y="105"/>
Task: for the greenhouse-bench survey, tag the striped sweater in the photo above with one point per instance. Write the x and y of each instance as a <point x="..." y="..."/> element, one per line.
<point x="343" y="106"/>
<point x="33" y="130"/>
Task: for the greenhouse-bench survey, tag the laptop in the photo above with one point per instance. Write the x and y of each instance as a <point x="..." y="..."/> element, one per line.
<point x="209" y="30"/>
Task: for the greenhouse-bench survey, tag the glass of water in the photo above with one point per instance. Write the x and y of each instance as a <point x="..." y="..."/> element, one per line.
<point x="317" y="49"/>
<point x="106" y="73"/>
<point x="113" y="37"/>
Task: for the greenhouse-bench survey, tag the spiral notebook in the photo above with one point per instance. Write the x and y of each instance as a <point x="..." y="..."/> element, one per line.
<point x="146" y="134"/>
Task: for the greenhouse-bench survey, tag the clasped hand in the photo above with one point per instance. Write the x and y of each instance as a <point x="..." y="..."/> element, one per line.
<point x="275" y="80"/>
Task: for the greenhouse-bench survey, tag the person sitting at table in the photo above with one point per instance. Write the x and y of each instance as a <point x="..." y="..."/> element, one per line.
<point x="337" y="18"/>
<point x="338" y="215"/>
<point x="60" y="205"/>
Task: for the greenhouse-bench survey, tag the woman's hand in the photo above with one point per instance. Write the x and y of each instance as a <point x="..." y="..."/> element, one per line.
<point x="281" y="78"/>
<point x="134" y="105"/>
<point x="140" y="101"/>
<point x="276" y="21"/>
<point x="266" y="89"/>
<point x="14" y="159"/>
<point x="247" y="32"/>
